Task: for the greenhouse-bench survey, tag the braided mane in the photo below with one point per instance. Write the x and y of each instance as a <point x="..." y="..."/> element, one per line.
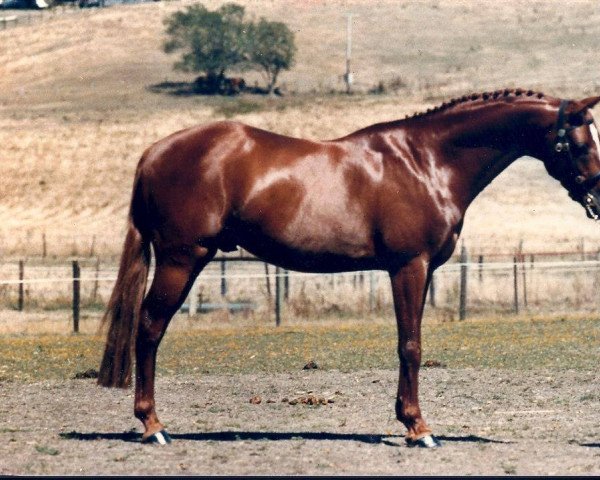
<point x="517" y="92"/>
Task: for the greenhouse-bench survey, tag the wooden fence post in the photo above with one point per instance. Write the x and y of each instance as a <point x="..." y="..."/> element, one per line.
<point x="268" y="281"/>
<point x="223" y="279"/>
<point x="279" y="292"/>
<point x="524" y="273"/>
<point x="432" y="291"/>
<point x="96" y="281"/>
<point x="462" y="308"/>
<point x="286" y="285"/>
<point x="516" y="286"/>
<point x="93" y="246"/>
<point x="193" y="299"/>
<point x="21" y="302"/>
<point x="371" y="290"/>
<point x="76" y="295"/>
<point x="520" y="249"/>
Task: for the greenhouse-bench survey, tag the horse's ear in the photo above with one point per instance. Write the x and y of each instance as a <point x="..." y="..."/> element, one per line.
<point x="590" y="102"/>
<point x="579" y="106"/>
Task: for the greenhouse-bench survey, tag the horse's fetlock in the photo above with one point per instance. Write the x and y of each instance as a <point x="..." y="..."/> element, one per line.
<point x="411" y="411"/>
<point x="407" y="413"/>
<point x="143" y="408"/>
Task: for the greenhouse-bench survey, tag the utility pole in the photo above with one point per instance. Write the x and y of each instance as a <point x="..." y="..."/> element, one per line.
<point x="348" y="77"/>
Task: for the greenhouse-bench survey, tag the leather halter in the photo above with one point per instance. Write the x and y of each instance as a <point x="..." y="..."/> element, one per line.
<point x="562" y="145"/>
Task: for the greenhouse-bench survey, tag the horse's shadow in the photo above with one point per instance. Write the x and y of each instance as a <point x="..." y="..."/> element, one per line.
<point x="235" y="436"/>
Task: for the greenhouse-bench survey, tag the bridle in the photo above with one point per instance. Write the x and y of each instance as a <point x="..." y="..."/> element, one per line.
<point x="562" y="146"/>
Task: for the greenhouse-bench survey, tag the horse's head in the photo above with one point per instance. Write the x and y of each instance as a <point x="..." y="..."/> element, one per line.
<point x="573" y="153"/>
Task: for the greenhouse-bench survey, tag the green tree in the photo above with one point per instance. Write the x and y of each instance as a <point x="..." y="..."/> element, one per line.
<point x="272" y="48"/>
<point x="214" y="41"/>
<point x="211" y="41"/>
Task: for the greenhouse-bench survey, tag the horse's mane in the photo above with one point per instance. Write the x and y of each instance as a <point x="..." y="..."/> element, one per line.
<point x="517" y="92"/>
<point x="485" y="96"/>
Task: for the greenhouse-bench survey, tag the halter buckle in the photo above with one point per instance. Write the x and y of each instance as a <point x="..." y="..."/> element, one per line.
<point x="560" y="146"/>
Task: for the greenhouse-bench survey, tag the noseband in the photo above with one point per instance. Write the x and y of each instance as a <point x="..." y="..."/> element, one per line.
<point x="562" y="146"/>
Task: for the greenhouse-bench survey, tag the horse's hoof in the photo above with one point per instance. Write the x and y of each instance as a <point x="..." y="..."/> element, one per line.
<point x="161" y="438"/>
<point x="424" y="442"/>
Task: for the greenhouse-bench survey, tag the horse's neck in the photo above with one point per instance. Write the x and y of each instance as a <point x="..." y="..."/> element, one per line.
<point x="477" y="145"/>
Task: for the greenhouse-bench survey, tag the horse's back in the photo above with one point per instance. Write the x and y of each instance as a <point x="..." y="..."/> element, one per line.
<point x="203" y="151"/>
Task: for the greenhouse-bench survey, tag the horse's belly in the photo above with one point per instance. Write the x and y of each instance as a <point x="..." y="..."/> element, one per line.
<point x="306" y="249"/>
<point x="303" y="260"/>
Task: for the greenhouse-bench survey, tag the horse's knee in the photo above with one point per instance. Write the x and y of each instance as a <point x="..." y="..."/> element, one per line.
<point x="410" y="352"/>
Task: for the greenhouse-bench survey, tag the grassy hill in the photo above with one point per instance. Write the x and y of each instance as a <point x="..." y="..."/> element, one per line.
<point x="77" y="106"/>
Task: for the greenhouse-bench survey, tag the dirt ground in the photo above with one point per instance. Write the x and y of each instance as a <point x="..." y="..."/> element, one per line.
<point x="491" y="422"/>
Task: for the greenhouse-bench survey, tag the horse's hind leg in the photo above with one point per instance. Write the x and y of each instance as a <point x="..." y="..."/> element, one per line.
<point x="174" y="275"/>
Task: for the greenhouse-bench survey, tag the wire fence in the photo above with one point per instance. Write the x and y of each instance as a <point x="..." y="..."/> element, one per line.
<point x="459" y="290"/>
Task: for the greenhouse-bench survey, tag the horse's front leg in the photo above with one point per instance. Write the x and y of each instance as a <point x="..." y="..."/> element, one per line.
<point x="409" y="286"/>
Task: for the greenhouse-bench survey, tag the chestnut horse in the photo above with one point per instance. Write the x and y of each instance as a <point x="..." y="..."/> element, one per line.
<point x="391" y="197"/>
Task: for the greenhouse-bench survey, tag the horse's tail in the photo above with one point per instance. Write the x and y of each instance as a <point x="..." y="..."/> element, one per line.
<point x="123" y="311"/>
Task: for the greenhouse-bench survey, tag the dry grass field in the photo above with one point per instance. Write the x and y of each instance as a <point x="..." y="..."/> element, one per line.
<point x="77" y="107"/>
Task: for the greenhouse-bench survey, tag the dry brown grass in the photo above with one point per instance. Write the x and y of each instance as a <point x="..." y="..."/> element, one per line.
<point x="76" y="112"/>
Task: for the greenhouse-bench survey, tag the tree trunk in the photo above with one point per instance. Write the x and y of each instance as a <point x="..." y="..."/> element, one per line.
<point x="273" y="81"/>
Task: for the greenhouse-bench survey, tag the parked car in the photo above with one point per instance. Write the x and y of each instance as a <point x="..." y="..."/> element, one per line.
<point x="38" y="4"/>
